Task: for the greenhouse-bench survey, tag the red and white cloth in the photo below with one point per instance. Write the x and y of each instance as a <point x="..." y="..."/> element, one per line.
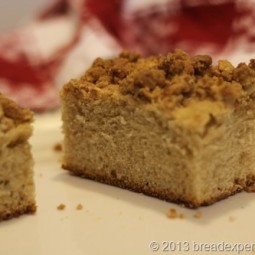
<point x="62" y="41"/>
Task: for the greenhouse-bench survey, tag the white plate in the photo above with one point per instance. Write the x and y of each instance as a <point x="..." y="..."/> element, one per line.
<point x="115" y="221"/>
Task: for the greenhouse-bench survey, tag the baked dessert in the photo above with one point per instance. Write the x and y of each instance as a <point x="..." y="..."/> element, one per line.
<point x="175" y="127"/>
<point x="16" y="163"/>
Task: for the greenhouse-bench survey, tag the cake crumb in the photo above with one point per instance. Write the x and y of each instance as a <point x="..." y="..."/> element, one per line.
<point x="231" y="219"/>
<point x="61" y="207"/>
<point x="79" y="207"/>
<point x="173" y="214"/>
<point x="197" y="215"/>
<point x="57" y="147"/>
<point x="181" y="216"/>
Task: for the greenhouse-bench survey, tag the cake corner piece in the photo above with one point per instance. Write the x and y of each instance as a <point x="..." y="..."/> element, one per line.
<point x="175" y="127"/>
<point x="17" y="191"/>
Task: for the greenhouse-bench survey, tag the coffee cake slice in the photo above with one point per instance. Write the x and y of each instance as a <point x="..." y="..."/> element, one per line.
<point x="16" y="163"/>
<point x="174" y="127"/>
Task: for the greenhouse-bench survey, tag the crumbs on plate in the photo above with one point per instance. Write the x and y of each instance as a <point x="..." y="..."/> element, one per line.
<point x="197" y="215"/>
<point x="57" y="147"/>
<point x="231" y="219"/>
<point x="79" y="207"/>
<point x="173" y="214"/>
<point x="61" y="207"/>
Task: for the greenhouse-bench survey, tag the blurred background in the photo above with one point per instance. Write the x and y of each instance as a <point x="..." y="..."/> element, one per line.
<point x="16" y="13"/>
<point x="45" y="43"/>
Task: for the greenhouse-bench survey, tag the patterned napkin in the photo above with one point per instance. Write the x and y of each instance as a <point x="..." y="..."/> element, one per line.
<point x="64" y="38"/>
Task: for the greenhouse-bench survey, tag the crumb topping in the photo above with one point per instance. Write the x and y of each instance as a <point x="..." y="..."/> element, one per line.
<point x="174" y="79"/>
<point x="12" y="115"/>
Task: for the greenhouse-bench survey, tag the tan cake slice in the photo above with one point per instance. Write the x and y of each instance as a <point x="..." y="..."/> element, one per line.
<point x="174" y="127"/>
<point x="16" y="163"/>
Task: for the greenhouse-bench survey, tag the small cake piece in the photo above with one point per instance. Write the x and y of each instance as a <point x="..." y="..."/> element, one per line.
<point x="174" y="127"/>
<point x="16" y="163"/>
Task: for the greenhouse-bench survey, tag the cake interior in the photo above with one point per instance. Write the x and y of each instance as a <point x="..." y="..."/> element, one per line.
<point x="16" y="181"/>
<point x="194" y="160"/>
<point x="17" y="191"/>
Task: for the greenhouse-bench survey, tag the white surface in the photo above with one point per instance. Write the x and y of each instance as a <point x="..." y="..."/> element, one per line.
<point x="113" y="221"/>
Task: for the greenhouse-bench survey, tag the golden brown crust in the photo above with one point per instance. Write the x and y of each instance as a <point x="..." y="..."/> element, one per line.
<point x="171" y="80"/>
<point x="170" y="197"/>
<point x="30" y="209"/>
<point x="250" y="184"/>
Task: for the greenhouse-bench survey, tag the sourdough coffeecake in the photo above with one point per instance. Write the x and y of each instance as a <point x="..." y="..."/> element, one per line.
<point x="16" y="163"/>
<point x="175" y="127"/>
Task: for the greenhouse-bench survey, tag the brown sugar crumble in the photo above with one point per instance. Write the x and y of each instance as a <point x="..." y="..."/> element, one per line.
<point x="61" y="207"/>
<point x="174" y="79"/>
